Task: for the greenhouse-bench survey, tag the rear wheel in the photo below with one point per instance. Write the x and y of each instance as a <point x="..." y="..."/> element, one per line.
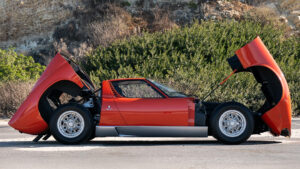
<point x="71" y="124"/>
<point x="231" y="123"/>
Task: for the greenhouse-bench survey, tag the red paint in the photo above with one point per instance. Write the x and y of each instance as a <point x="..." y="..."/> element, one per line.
<point x="110" y="114"/>
<point x="154" y="112"/>
<point x="117" y="110"/>
<point x="255" y="53"/>
<point x="107" y="91"/>
<point x="27" y="119"/>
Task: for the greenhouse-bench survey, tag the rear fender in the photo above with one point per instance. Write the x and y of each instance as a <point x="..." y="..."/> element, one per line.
<point x="28" y="118"/>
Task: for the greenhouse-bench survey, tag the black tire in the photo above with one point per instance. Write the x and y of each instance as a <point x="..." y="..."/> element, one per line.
<point x="92" y="134"/>
<point x="92" y="137"/>
<point x="83" y="119"/>
<point x="232" y="131"/>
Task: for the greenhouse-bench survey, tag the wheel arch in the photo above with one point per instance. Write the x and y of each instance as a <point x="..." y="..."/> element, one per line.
<point x="53" y="93"/>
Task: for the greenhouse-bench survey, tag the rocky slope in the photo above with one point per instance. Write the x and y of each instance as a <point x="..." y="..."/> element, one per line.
<point x="39" y="28"/>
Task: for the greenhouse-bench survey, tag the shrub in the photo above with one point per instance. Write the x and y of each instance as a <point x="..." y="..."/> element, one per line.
<point x="12" y="95"/>
<point x="16" y="75"/>
<point x="15" y="66"/>
<point x="193" y="59"/>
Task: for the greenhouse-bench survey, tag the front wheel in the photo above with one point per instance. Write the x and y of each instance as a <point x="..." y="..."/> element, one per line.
<point x="231" y="123"/>
<point x="71" y="124"/>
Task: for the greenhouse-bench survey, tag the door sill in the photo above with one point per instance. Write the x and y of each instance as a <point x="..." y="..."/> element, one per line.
<point x="152" y="131"/>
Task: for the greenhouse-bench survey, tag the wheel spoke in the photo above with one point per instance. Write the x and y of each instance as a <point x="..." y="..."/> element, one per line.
<point x="232" y="123"/>
<point x="70" y="124"/>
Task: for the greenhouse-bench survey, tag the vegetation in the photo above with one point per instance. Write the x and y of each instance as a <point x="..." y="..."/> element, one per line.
<point x="15" y="66"/>
<point x="12" y="95"/>
<point x="193" y="59"/>
<point x="17" y="73"/>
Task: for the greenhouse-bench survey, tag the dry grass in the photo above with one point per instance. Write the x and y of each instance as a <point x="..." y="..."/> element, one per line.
<point x="117" y="23"/>
<point x="12" y="96"/>
<point x="113" y="24"/>
<point x="105" y="32"/>
<point x="266" y="15"/>
<point x="281" y="4"/>
<point x="280" y="13"/>
<point x="105" y="23"/>
<point x="289" y="5"/>
<point x="162" y="21"/>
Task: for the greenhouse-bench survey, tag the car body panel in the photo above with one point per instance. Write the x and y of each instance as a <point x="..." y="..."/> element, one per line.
<point x="121" y="111"/>
<point x="254" y="54"/>
<point x="110" y="114"/>
<point x="28" y="119"/>
<point x="154" y="112"/>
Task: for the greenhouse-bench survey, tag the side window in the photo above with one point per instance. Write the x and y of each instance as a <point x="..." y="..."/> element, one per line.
<point x="135" y="89"/>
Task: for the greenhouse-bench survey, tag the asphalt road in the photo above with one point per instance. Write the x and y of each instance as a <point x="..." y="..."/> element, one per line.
<point x="261" y="151"/>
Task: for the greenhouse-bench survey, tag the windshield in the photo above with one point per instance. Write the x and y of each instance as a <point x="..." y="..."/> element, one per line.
<point x="169" y="91"/>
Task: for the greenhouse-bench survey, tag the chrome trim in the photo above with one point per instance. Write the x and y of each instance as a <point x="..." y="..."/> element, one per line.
<point x="152" y="131"/>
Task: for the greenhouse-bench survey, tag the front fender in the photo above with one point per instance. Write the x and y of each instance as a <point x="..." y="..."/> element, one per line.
<point x="277" y="111"/>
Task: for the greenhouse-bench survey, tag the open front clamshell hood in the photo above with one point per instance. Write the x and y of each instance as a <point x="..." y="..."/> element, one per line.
<point x="276" y="112"/>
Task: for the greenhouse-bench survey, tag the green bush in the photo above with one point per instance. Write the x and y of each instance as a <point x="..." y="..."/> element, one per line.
<point x="15" y="66"/>
<point x="193" y="59"/>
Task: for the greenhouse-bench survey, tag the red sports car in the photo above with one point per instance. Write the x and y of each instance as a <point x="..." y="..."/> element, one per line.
<point x="143" y="107"/>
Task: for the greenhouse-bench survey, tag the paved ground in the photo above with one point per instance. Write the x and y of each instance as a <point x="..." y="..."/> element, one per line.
<point x="264" y="151"/>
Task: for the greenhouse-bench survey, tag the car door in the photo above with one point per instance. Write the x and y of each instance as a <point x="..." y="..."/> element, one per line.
<point x="141" y="104"/>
